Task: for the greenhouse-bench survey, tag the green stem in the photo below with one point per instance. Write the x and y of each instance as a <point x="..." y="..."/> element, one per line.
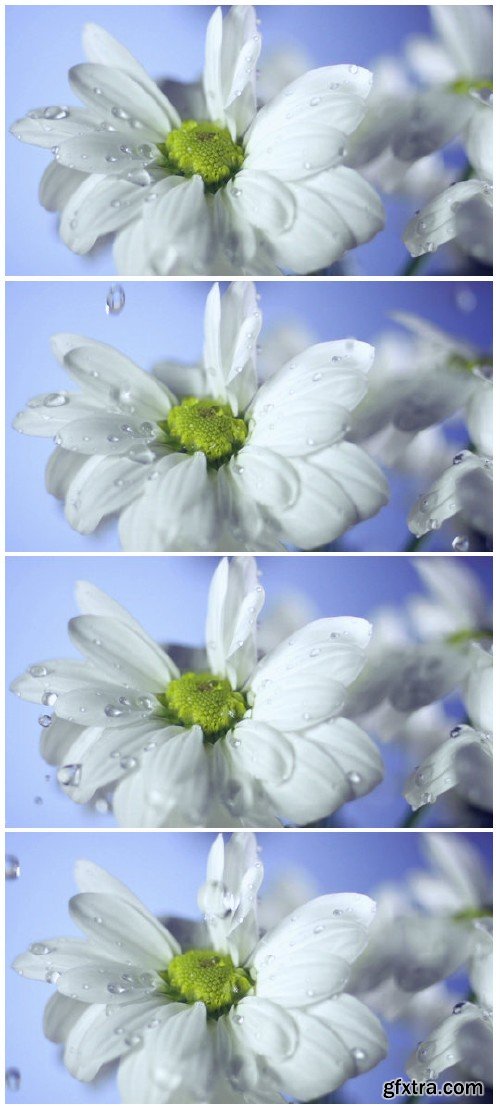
<point x="413" y="818"/>
<point x="415" y="543"/>
<point x="415" y="265"/>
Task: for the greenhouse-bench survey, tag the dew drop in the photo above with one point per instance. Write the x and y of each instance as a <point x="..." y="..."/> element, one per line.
<point x="69" y="775"/>
<point x="45" y="721"/>
<point x="49" y="698"/>
<point x="113" y="712"/>
<point x="128" y="763"/>
<point x="460" y="544"/>
<point x="39" y="949"/>
<point x="38" y="671"/>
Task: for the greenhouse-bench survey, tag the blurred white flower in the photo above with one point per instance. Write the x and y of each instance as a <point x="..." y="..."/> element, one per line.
<point x="464" y="761"/>
<point x="239" y="742"/>
<point x="201" y="459"/>
<point x="454" y="605"/>
<point x="424" y="931"/>
<point x="238" y="1019"/>
<point x="420" y="381"/>
<point x="234" y="190"/>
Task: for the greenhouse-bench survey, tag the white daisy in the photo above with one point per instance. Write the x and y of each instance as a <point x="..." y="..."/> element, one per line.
<point x="230" y="1017"/>
<point x="234" y="742"/>
<point x="200" y="458"/>
<point x="232" y="190"/>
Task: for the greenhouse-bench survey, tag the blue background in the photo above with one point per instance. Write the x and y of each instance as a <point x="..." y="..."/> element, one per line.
<point x="165" y="871"/>
<point x="166" y="321"/>
<point x="168" y="595"/>
<point x="44" y="42"/>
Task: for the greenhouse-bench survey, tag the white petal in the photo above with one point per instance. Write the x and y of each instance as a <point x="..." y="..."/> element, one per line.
<point x="56" y="742"/>
<point x="57" y="185"/>
<point x="480" y="418"/>
<point x="104" y="88"/>
<point x="102" y="757"/>
<point x="262" y="199"/>
<point x="178" y="230"/>
<point x="333" y="648"/>
<point x="266" y="1028"/>
<point x="231" y="329"/>
<point x="108" y="375"/>
<point x="331" y="925"/>
<point x="58" y="955"/>
<point x="464" y="1037"/>
<point x="59" y="1017"/>
<point x="437" y="223"/>
<point x="176" y="1063"/>
<point x="433" y="119"/>
<point x="49" y="131"/>
<point x="291" y="153"/>
<point x="48" y="413"/>
<point x="234" y="602"/>
<point x="334" y="373"/>
<point x="177" y="775"/>
<point x="333" y="96"/>
<point x="229" y="896"/>
<point x="102" y="49"/>
<point x="183" y="380"/>
<point x="439" y="772"/>
<point x="98" y="206"/>
<point x="337" y="1039"/>
<point x="478" y="688"/>
<point x="123" y="930"/>
<point x="87" y="705"/>
<point x="129" y="250"/>
<point x="102" y="485"/>
<point x="479" y="140"/>
<point x="90" y="877"/>
<point x="114" y="646"/>
<point x="102" y="152"/>
<point x="261" y="475"/>
<point x="467" y="36"/>
<point x="450" y="494"/>
<point x="335" y="211"/>
<point x="231" y="53"/>
<point x="261" y="751"/>
<point x="178" y="513"/>
<point x="93" y="1040"/>
<point x="61" y="470"/>
<point x="53" y="677"/>
<point x="90" y="982"/>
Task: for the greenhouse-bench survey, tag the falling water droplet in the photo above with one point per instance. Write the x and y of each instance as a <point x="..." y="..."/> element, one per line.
<point x="13" y="1080"/>
<point x="460" y="544"/>
<point x="12" y="867"/>
<point x="115" y="300"/>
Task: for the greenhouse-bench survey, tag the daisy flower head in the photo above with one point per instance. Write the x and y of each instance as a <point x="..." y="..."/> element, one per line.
<point x="207" y="183"/>
<point x="202" y="459"/>
<point x="232" y="740"/>
<point x="229" y="1016"/>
